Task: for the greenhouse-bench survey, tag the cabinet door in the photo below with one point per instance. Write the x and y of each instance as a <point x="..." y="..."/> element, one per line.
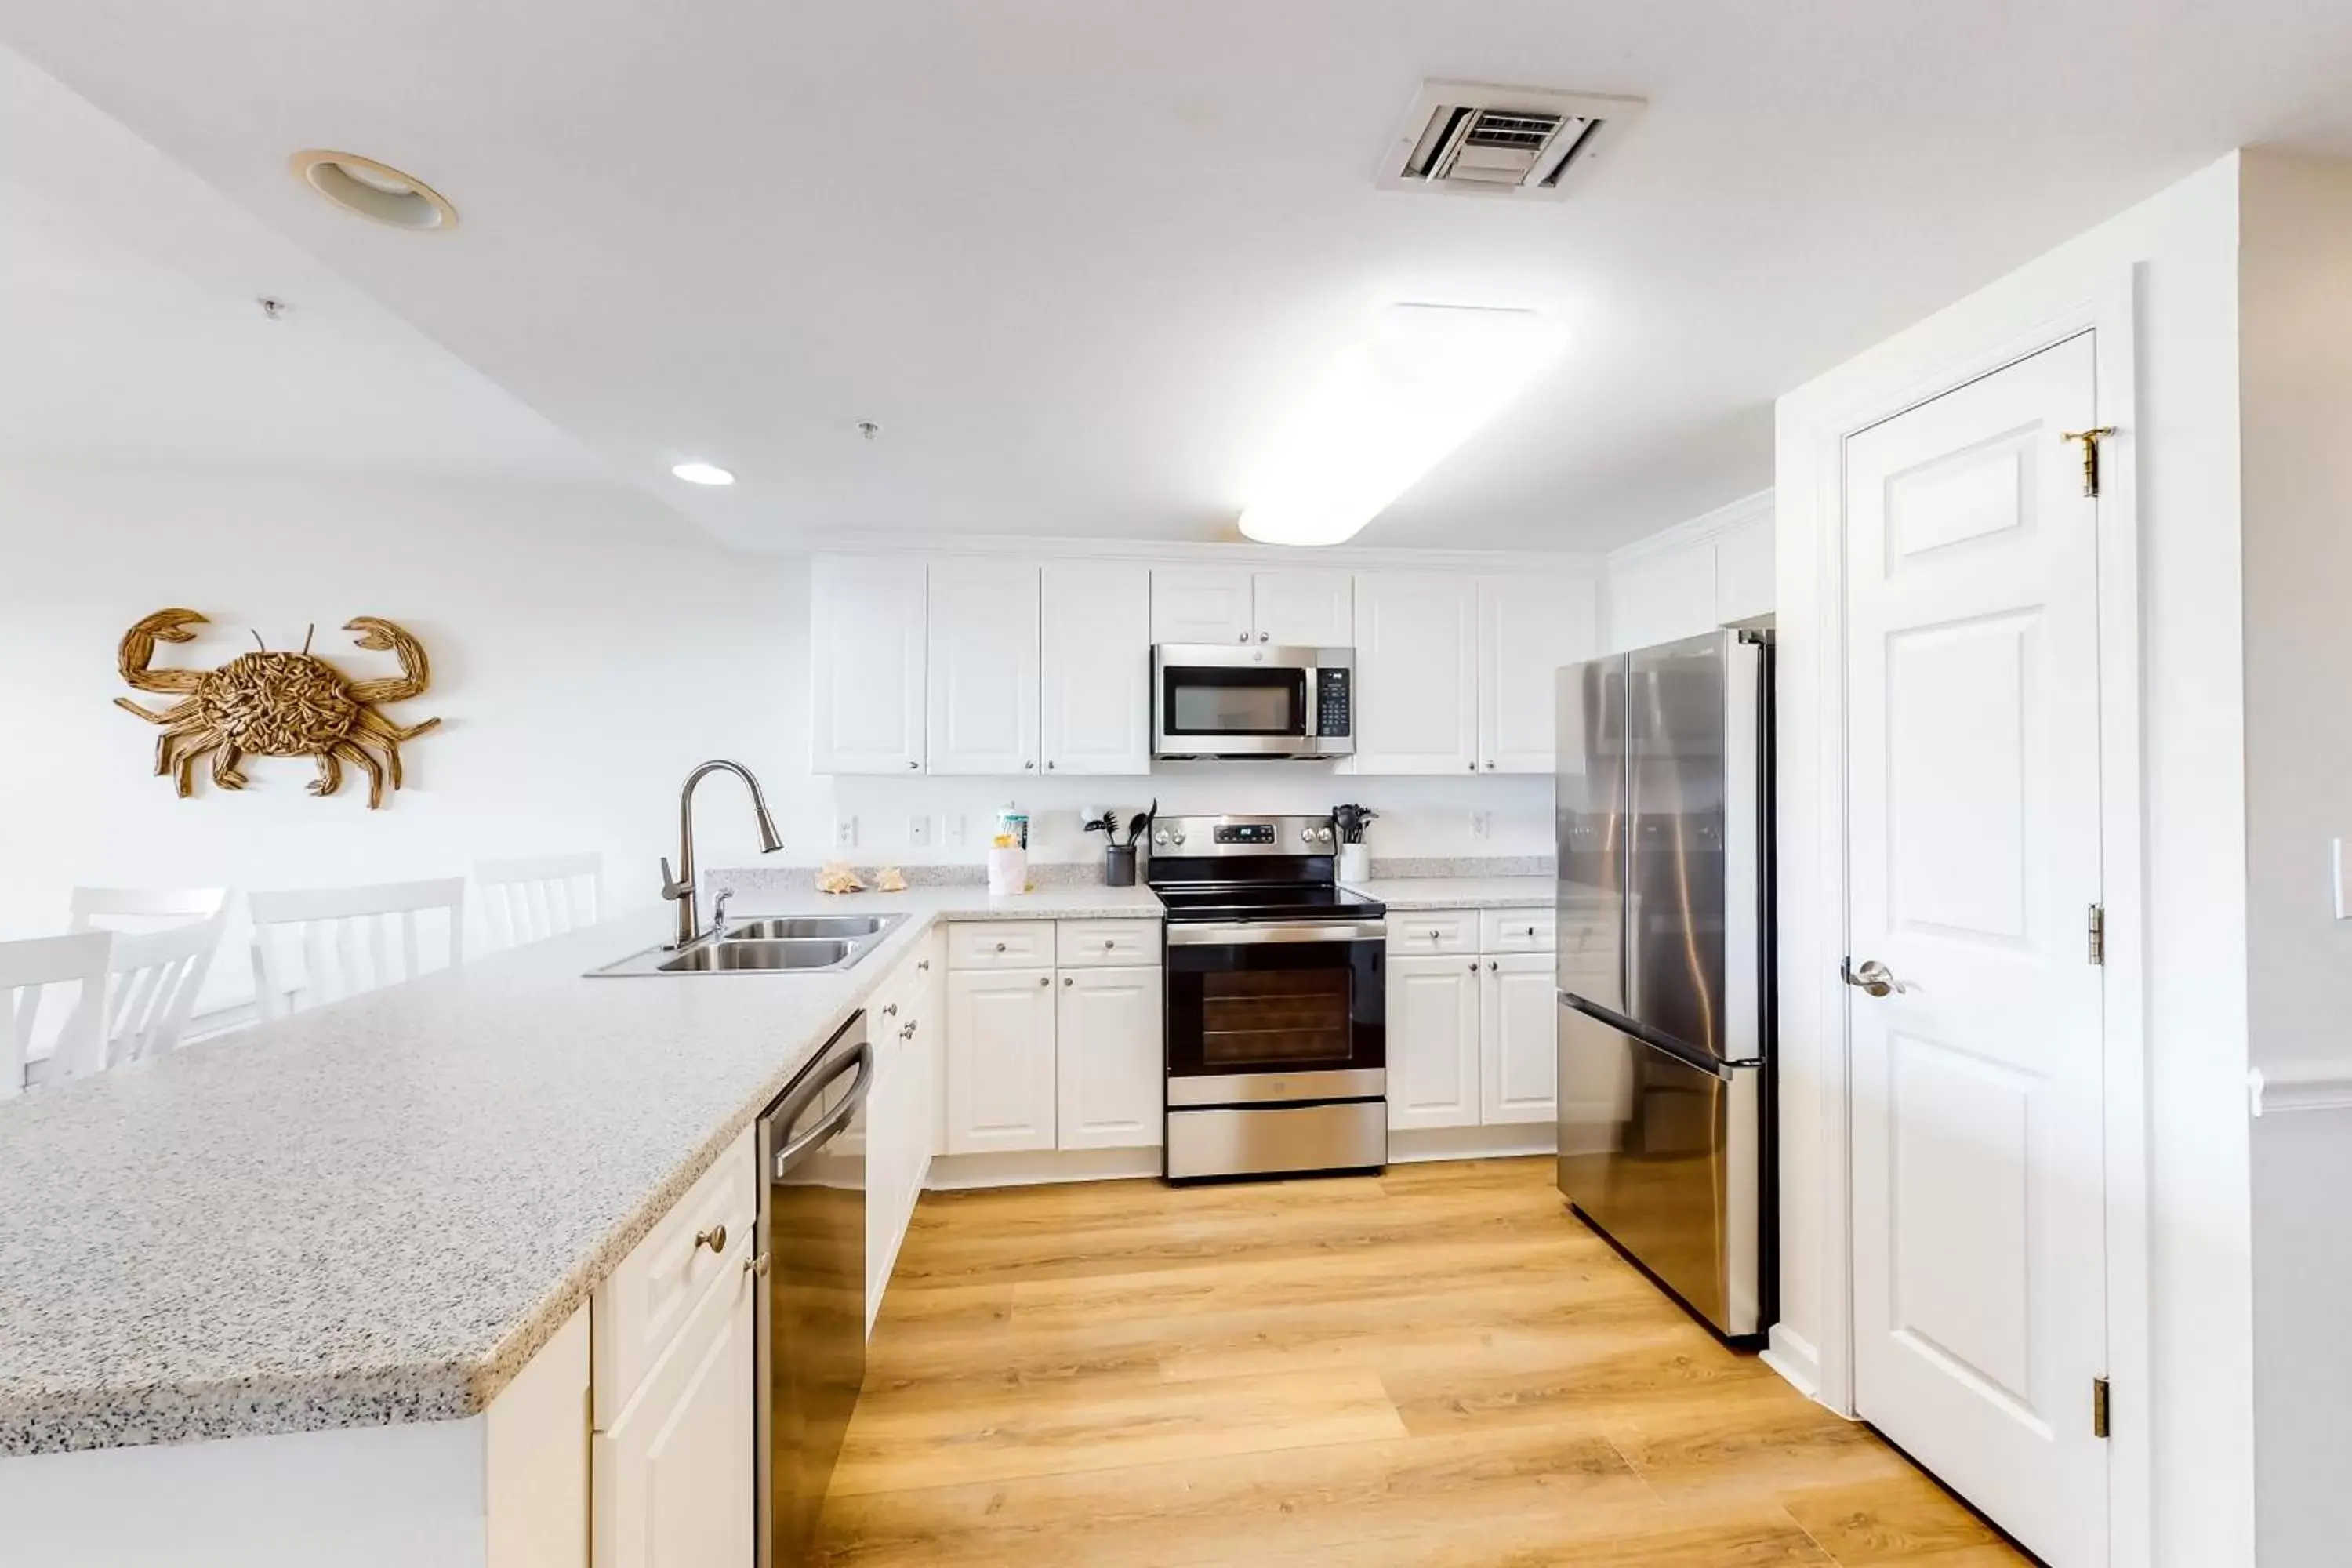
<point x="1529" y="627"/>
<point x="1201" y="604"/>
<point x="867" y="670"/>
<point x="1416" y="673"/>
<point x="1000" y="1060"/>
<point x="1305" y="609"/>
<point x="1094" y="686"/>
<point x="1743" y="571"/>
<point x="983" y="668"/>
<point x="1515" y="1057"/>
<point x="1434" y="1042"/>
<point x="1112" y="1087"/>
<point x="673" y="1476"/>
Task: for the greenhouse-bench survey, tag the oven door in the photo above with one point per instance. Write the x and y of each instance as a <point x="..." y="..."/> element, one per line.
<point x="1272" y="1013"/>
<point x="1215" y="701"/>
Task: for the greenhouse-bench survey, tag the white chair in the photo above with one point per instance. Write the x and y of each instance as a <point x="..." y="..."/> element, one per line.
<point x="151" y="983"/>
<point x="529" y="899"/>
<point x="346" y="935"/>
<point x="27" y="970"/>
<point x="141" y="908"/>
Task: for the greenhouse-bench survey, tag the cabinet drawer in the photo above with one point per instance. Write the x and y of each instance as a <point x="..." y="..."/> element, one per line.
<point x="1418" y="933"/>
<point x="1086" y="944"/>
<point x="638" y="1310"/>
<point x="1002" y="944"/>
<point x="1516" y="931"/>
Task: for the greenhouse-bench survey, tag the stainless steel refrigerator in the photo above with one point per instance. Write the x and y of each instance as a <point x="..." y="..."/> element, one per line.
<point x="1665" y="1038"/>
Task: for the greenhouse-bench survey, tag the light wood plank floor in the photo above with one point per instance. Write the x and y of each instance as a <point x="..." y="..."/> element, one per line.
<point x="1435" y="1366"/>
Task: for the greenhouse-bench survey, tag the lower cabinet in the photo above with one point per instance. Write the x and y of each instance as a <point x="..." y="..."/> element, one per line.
<point x="1000" y="1060"/>
<point x="1433" y="1005"/>
<point x="1109" y="1079"/>
<point x="1517" y="1059"/>
<point x="673" y="1476"/>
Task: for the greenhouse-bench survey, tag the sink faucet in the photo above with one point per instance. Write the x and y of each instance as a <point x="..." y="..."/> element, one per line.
<point x="678" y="886"/>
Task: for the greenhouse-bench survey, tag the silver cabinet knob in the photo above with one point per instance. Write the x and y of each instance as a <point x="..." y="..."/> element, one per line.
<point x="1264" y="637"/>
<point x="1492" y="965"/>
<point x="914" y="764"/>
<point x="1434" y="934"/>
<point x="1242" y="636"/>
<point x="891" y="1011"/>
<point x="1030" y="764"/>
<point x="1045" y="980"/>
<point x="1109" y="942"/>
<point x="756" y="1264"/>
<point x="1490" y="767"/>
<point x="922" y="963"/>
<point x="907" y="1030"/>
<point x="1049" y="766"/>
<point x="714" y="1238"/>
<point x="1474" y="966"/>
<point x="999" y="947"/>
<point x="1067" y="980"/>
<point x="1874" y="979"/>
<point x="1474" y="767"/>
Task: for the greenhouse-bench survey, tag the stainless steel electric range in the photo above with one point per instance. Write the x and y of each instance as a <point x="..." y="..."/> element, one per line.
<point x="1278" y="1024"/>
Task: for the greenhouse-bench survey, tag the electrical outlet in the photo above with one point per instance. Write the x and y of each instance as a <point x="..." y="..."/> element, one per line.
<point x="1481" y="824"/>
<point x="918" y="831"/>
<point x="845" y="833"/>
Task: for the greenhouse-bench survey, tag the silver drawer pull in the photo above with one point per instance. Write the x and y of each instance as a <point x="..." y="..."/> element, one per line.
<point x="714" y="1238"/>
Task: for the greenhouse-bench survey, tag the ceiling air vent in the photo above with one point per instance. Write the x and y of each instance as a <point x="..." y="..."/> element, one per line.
<point x="1501" y="141"/>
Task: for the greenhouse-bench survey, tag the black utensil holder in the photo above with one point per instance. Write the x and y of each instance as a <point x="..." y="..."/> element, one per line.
<point x="1119" y="866"/>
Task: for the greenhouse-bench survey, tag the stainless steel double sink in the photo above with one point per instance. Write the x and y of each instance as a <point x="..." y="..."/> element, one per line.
<point x="788" y="944"/>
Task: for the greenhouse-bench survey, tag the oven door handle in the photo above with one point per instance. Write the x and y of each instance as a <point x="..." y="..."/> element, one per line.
<point x="1223" y="933"/>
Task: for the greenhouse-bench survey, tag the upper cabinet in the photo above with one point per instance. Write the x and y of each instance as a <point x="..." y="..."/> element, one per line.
<point x="1666" y="589"/>
<point x="1095" y="681"/>
<point x="1295" y="607"/>
<point x="983" y="668"/>
<point x="1416" y="673"/>
<point x="867" y="623"/>
<point x="1528" y="626"/>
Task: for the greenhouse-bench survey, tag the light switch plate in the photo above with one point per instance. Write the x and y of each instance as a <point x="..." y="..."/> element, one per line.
<point x="918" y="831"/>
<point x="1481" y="824"/>
<point x="845" y="833"/>
<point x="2335" y="869"/>
<point x="955" y="828"/>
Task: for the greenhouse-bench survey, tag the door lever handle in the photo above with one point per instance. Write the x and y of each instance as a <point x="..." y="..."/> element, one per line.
<point x="1873" y="978"/>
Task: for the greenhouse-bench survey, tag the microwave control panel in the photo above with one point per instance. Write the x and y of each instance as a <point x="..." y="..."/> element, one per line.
<point x="1333" y="706"/>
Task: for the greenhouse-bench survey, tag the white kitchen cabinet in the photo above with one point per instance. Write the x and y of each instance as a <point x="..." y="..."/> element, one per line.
<point x="1001" y="1068"/>
<point x="1299" y="606"/>
<point x="983" y="695"/>
<point x="1202" y="604"/>
<point x="1433" y="1033"/>
<point x="1095" y="667"/>
<point x="1515" y="1052"/>
<point x="1303" y="608"/>
<point x="867" y="630"/>
<point x="1111" y="1079"/>
<point x="1743" y="571"/>
<point x="1528" y="626"/>
<point x="673" y="1476"/>
<point x="1416" y="673"/>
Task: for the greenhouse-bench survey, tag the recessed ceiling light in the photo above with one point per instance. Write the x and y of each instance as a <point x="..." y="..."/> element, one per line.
<point x="703" y="474"/>
<point x="1388" y="410"/>
<point x="373" y="190"/>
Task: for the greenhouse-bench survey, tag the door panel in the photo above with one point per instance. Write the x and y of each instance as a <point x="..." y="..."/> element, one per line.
<point x="1000" y="1094"/>
<point x="1528" y="628"/>
<point x="867" y="665"/>
<point x="1433" y="1005"/>
<point x="1111" y="1082"/>
<point x="1305" y="609"/>
<point x="1201" y="604"/>
<point x="983" y="669"/>
<point x="1517" y="1079"/>
<point x="1095" y="667"/>
<point x="1417" y="676"/>
<point x="1972" y="700"/>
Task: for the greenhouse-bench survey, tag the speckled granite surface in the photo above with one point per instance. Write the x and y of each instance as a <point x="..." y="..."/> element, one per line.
<point x="1044" y="874"/>
<point x="1480" y="866"/>
<point x="1460" y="892"/>
<point x="378" y="1212"/>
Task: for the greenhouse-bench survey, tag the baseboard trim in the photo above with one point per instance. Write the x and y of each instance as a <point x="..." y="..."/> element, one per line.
<point x="1795" y="1359"/>
<point x="1417" y="1144"/>
<point x="1040" y="1167"/>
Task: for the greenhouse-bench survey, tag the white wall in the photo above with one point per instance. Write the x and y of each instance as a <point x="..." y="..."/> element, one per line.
<point x="2182" y="248"/>
<point x="2295" y="342"/>
<point x="573" y="637"/>
<point x="1711" y="571"/>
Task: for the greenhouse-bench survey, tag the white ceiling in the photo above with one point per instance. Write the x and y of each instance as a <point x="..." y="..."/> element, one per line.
<point x="1073" y="257"/>
<point x="129" y="327"/>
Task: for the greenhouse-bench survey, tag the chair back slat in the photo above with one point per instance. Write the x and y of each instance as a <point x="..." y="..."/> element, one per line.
<point x="29" y="970"/>
<point x="141" y="908"/>
<point x="351" y="939"/>
<point x="537" y="896"/>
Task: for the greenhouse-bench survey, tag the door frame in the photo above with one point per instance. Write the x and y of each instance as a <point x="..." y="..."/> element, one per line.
<point x="1812" y="525"/>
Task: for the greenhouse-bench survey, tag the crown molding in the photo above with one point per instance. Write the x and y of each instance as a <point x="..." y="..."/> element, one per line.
<point x="1173" y="552"/>
<point x="1699" y="529"/>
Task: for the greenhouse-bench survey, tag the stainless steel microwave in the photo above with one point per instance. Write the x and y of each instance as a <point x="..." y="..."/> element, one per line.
<point x="1213" y="700"/>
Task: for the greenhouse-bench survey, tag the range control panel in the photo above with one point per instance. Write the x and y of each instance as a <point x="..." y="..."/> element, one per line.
<point x="1333" y="711"/>
<point x="1243" y="832"/>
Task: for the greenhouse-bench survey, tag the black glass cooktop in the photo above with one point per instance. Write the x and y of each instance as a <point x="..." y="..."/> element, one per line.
<point x="1265" y="901"/>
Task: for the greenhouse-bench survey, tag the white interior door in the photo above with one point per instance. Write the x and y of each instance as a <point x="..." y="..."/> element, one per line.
<point x="984" y="668"/>
<point x="1095" y="681"/>
<point x="1973" y="854"/>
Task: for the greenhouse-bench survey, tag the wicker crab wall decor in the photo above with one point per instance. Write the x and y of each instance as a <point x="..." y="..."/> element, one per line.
<point x="268" y="704"/>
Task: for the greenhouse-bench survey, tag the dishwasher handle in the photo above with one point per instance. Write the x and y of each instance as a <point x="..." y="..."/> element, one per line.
<point x="862" y="1061"/>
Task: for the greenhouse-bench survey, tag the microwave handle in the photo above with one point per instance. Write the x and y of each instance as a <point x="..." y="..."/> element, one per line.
<point x="1314" y="703"/>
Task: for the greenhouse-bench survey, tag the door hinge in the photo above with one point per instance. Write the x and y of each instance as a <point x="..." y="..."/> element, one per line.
<point x="2098" y="934"/>
<point x="2090" y="439"/>
<point x="2098" y="1407"/>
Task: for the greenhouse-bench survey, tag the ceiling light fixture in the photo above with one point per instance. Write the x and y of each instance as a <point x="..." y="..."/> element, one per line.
<point x="376" y="191"/>
<point x="1389" y="409"/>
<point x="703" y="474"/>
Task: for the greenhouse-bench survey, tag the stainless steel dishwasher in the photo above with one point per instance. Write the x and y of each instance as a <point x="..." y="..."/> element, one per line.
<point x="812" y="1317"/>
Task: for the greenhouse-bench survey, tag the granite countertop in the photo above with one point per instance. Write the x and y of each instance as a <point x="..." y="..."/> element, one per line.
<point x="1461" y="892"/>
<point x="379" y="1211"/>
